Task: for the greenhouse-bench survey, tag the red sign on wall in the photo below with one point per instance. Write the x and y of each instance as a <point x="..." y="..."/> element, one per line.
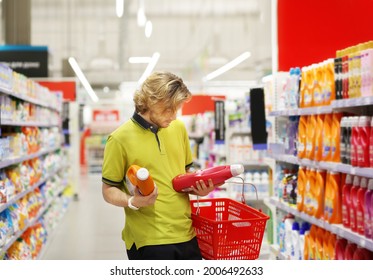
<point x="105" y="115"/>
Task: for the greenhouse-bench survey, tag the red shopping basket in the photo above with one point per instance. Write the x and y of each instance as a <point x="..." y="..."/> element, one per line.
<point x="227" y="229"/>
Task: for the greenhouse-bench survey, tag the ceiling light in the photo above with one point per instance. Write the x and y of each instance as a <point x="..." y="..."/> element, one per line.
<point x="139" y="59"/>
<point x="149" y="68"/>
<point x="119" y="8"/>
<point x="148" y="29"/>
<point x="227" y="66"/>
<point x="83" y="79"/>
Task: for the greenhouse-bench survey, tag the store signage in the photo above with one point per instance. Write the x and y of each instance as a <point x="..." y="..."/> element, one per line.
<point x="219" y="121"/>
<point x="31" y="61"/>
<point x="105" y="115"/>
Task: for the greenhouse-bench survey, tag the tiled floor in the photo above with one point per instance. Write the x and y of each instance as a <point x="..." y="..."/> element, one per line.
<point x="91" y="228"/>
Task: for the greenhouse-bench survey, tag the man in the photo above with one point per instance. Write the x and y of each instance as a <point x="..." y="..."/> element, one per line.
<point x="157" y="226"/>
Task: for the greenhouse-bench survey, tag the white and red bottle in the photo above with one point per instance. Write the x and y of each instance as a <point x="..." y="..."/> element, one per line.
<point x="363" y="143"/>
<point x="218" y="175"/>
<point x="346" y="200"/>
<point x="361" y="205"/>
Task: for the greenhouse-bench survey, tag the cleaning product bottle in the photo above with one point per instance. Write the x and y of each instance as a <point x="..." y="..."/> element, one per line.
<point x="368" y="211"/>
<point x="319" y="244"/>
<point x="353" y="205"/>
<point x="355" y="140"/>
<point x="343" y="140"/>
<point x="311" y="137"/>
<point x="371" y="143"/>
<point x="327" y="128"/>
<point x="218" y="175"/>
<point x="301" y="187"/>
<point x="139" y="177"/>
<point x="295" y="242"/>
<point x="349" y="122"/>
<point x="312" y="242"/>
<point x="317" y="84"/>
<point x="335" y="137"/>
<point x="333" y="205"/>
<point x="302" y="136"/>
<point x="363" y="143"/>
<point x="318" y="194"/>
<point x="329" y="250"/>
<point x="340" y="248"/>
<point x="329" y="82"/>
<point x="346" y="200"/>
<point x="361" y="205"/>
<point x="308" y="193"/>
<point x="350" y="250"/>
<point x="319" y="137"/>
<point x="362" y="254"/>
<point x="304" y="230"/>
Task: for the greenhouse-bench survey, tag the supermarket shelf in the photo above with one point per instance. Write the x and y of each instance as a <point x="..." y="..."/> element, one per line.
<point x="337" y="229"/>
<point x="336" y="104"/>
<point x="30" y="189"/>
<point x="330" y="166"/>
<point x="26" y="123"/>
<point x="12" y="161"/>
<point x="30" y="223"/>
<point x="28" y="99"/>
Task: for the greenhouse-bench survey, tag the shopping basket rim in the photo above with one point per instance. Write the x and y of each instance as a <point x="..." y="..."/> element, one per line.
<point x="262" y="216"/>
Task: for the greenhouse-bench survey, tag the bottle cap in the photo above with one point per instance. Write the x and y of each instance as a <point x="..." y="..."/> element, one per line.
<point x="356" y="181"/>
<point x="237" y="169"/>
<point x="348" y="180"/>
<point x="364" y="121"/>
<point x="370" y="184"/>
<point x="363" y="182"/>
<point x="142" y="174"/>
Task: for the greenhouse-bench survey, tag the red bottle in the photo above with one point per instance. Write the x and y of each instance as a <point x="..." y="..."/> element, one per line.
<point x="350" y="250"/>
<point x="363" y="143"/>
<point x="340" y="248"/>
<point x="218" y="175"/>
<point x="371" y="145"/>
<point x="361" y="205"/>
<point x="346" y="200"/>
<point x="354" y="201"/>
<point x="355" y="140"/>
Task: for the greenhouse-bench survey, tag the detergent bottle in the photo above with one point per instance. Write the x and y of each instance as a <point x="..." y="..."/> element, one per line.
<point x="335" y="138"/>
<point x="355" y="140"/>
<point x="350" y="250"/>
<point x="346" y="200"/>
<point x="353" y="205"/>
<point x="329" y="82"/>
<point x="301" y="187"/>
<point x="218" y="175"/>
<point x="340" y="248"/>
<point x="333" y="205"/>
<point x="371" y="144"/>
<point x="360" y="205"/>
<point x="362" y="254"/>
<point x="139" y="177"/>
<point x="363" y="144"/>
<point x="327" y="137"/>
<point x="311" y="137"/>
<point x="329" y="250"/>
<point x="368" y="211"/>
<point x="318" y="194"/>
<point x="319" y="137"/>
<point x="319" y="243"/>
<point x="302" y="136"/>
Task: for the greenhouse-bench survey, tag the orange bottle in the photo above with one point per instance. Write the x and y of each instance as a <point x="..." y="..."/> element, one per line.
<point x="318" y="193"/>
<point x="329" y="82"/>
<point x="321" y="236"/>
<point x="303" y="86"/>
<point x="308" y="87"/>
<point x="319" y="137"/>
<point x="317" y="84"/>
<point x="335" y="137"/>
<point x="139" y="177"/>
<point x="302" y="137"/>
<point x="327" y="135"/>
<point x="311" y="137"/>
<point x="333" y="203"/>
<point x="301" y="187"/>
<point x="329" y="251"/>
<point x="311" y="243"/>
<point x="308" y="192"/>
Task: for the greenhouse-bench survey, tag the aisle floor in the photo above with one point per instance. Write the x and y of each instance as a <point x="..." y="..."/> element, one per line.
<point x="91" y="228"/>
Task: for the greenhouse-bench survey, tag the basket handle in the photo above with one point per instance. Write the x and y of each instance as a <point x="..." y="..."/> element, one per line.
<point x="243" y="200"/>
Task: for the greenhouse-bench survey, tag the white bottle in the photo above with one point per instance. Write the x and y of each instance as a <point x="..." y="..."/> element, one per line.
<point x="295" y="242"/>
<point x="288" y="235"/>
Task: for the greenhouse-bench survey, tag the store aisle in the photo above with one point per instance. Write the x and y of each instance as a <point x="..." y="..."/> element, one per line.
<point x="91" y="228"/>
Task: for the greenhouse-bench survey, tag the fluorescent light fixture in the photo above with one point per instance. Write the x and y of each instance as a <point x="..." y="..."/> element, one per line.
<point x="148" y="29"/>
<point x="82" y="78"/>
<point x="149" y="68"/>
<point x="227" y="66"/>
<point x="119" y="8"/>
<point x="139" y="59"/>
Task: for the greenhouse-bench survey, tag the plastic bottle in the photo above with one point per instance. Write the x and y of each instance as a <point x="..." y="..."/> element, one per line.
<point x="304" y="230"/>
<point x="367" y="70"/>
<point x="345" y="73"/>
<point x="318" y="194"/>
<point x="355" y="139"/>
<point x="311" y="137"/>
<point x="218" y="175"/>
<point x="368" y="211"/>
<point x="319" y="137"/>
<point x="363" y="143"/>
<point x="312" y="242"/>
<point x="343" y="140"/>
<point x="371" y="145"/>
<point x="295" y="242"/>
<point x="308" y="193"/>
<point x="353" y="205"/>
<point x="340" y="248"/>
<point x="333" y="204"/>
<point x="302" y="137"/>
<point x="338" y="75"/>
<point x="348" y="139"/>
<point x="301" y="187"/>
<point x="361" y="205"/>
<point x="329" y="249"/>
<point x="329" y="84"/>
<point x="308" y="87"/>
<point x="327" y="128"/>
<point x="317" y="84"/>
<point x="139" y="177"/>
<point x="350" y="250"/>
<point x="319" y="243"/>
<point x="335" y="137"/>
<point x="362" y="254"/>
<point x="346" y="200"/>
<point x="303" y="86"/>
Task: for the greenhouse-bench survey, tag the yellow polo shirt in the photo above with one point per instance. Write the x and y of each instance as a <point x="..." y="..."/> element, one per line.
<point x="165" y="153"/>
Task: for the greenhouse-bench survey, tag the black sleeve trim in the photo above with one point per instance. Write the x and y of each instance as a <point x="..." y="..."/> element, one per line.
<point x="188" y="166"/>
<point x="111" y="183"/>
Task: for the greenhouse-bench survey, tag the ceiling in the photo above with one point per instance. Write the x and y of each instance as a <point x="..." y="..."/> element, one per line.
<point x="193" y="37"/>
